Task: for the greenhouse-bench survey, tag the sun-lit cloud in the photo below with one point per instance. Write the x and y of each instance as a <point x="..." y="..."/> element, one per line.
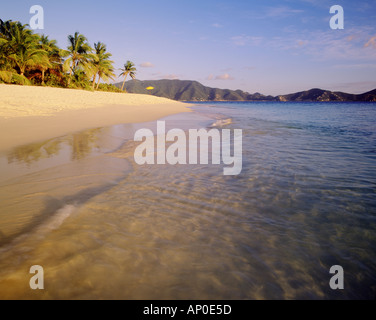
<point x="224" y="76"/>
<point x="146" y="65"/>
<point x="350" y="37"/>
<point x="326" y="45"/>
<point x="318" y="44"/>
<point x="371" y="42"/>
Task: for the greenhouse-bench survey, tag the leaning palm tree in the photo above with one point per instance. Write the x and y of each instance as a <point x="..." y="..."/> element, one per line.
<point x="78" y="53"/>
<point x="105" y="72"/>
<point x="101" y="65"/>
<point x="129" y="69"/>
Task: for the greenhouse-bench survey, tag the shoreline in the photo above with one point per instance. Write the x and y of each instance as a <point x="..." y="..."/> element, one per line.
<point x="32" y="114"/>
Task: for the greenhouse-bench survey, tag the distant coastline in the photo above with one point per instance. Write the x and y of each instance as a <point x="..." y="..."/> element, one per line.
<point x="187" y="90"/>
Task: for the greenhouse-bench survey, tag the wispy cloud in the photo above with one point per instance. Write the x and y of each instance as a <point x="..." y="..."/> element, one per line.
<point x="217" y="25"/>
<point x="243" y="40"/>
<point x="275" y="12"/>
<point x="224" y="76"/>
<point x="371" y="42"/>
<point x="355" y="66"/>
<point x="281" y="12"/>
<point x="146" y="65"/>
<point x="349" y="44"/>
<point x="170" y="76"/>
<point x="329" y="45"/>
<point x="317" y="3"/>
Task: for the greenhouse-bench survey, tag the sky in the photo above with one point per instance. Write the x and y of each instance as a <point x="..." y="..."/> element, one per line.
<point x="271" y="46"/>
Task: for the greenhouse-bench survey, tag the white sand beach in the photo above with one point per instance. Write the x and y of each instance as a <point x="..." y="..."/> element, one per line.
<point x="29" y="114"/>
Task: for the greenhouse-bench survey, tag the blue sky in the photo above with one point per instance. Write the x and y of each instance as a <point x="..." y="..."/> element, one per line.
<point x="271" y="47"/>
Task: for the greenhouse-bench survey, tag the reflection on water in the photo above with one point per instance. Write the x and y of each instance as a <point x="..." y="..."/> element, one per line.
<point x="36" y="180"/>
<point x="82" y="144"/>
<point x="33" y="152"/>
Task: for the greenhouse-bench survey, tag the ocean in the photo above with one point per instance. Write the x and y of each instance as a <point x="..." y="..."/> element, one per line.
<point x="104" y="227"/>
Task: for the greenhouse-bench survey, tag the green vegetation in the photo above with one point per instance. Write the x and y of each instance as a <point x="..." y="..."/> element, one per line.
<point x="186" y="90"/>
<point x="129" y="69"/>
<point x="27" y="58"/>
<point x="78" y="56"/>
<point x="102" y="66"/>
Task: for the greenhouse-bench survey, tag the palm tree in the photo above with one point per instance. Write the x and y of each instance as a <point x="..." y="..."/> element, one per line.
<point x="4" y="62"/>
<point x="106" y="71"/>
<point x="21" y="46"/>
<point x="5" y="36"/>
<point x="129" y="69"/>
<point x="78" y="53"/>
<point x="53" y="53"/>
<point x="101" y="64"/>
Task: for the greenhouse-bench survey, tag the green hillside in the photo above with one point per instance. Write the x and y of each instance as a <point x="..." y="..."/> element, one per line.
<point x="186" y="90"/>
<point x="325" y="95"/>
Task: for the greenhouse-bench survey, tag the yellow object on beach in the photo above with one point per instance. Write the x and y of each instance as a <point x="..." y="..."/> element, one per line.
<point x="149" y="88"/>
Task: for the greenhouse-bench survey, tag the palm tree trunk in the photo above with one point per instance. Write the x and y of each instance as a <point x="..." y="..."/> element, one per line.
<point x="70" y="77"/>
<point x="122" y="87"/>
<point x="95" y="76"/>
<point x="42" y="76"/>
<point x="125" y="77"/>
<point x="99" y="80"/>
<point x="22" y="70"/>
<point x="70" y="73"/>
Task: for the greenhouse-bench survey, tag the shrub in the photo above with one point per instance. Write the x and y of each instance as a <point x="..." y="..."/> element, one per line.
<point x="108" y="88"/>
<point x="6" y="76"/>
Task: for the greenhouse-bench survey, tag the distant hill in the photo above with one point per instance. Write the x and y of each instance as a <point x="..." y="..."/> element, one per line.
<point x="186" y="90"/>
<point x="325" y="95"/>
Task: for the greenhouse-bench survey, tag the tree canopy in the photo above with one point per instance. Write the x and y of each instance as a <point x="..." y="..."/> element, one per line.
<point x="28" y="58"/>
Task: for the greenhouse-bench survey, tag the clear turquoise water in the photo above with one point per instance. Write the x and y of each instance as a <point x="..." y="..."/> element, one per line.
<point x="309" y="173"/>
<point x="104" y="227"/>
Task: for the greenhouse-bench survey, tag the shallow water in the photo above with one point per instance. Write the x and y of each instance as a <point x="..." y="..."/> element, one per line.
<point x="103" y="227"/>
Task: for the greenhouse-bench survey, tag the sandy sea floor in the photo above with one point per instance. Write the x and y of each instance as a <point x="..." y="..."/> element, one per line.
<point x="104" y="227"/>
